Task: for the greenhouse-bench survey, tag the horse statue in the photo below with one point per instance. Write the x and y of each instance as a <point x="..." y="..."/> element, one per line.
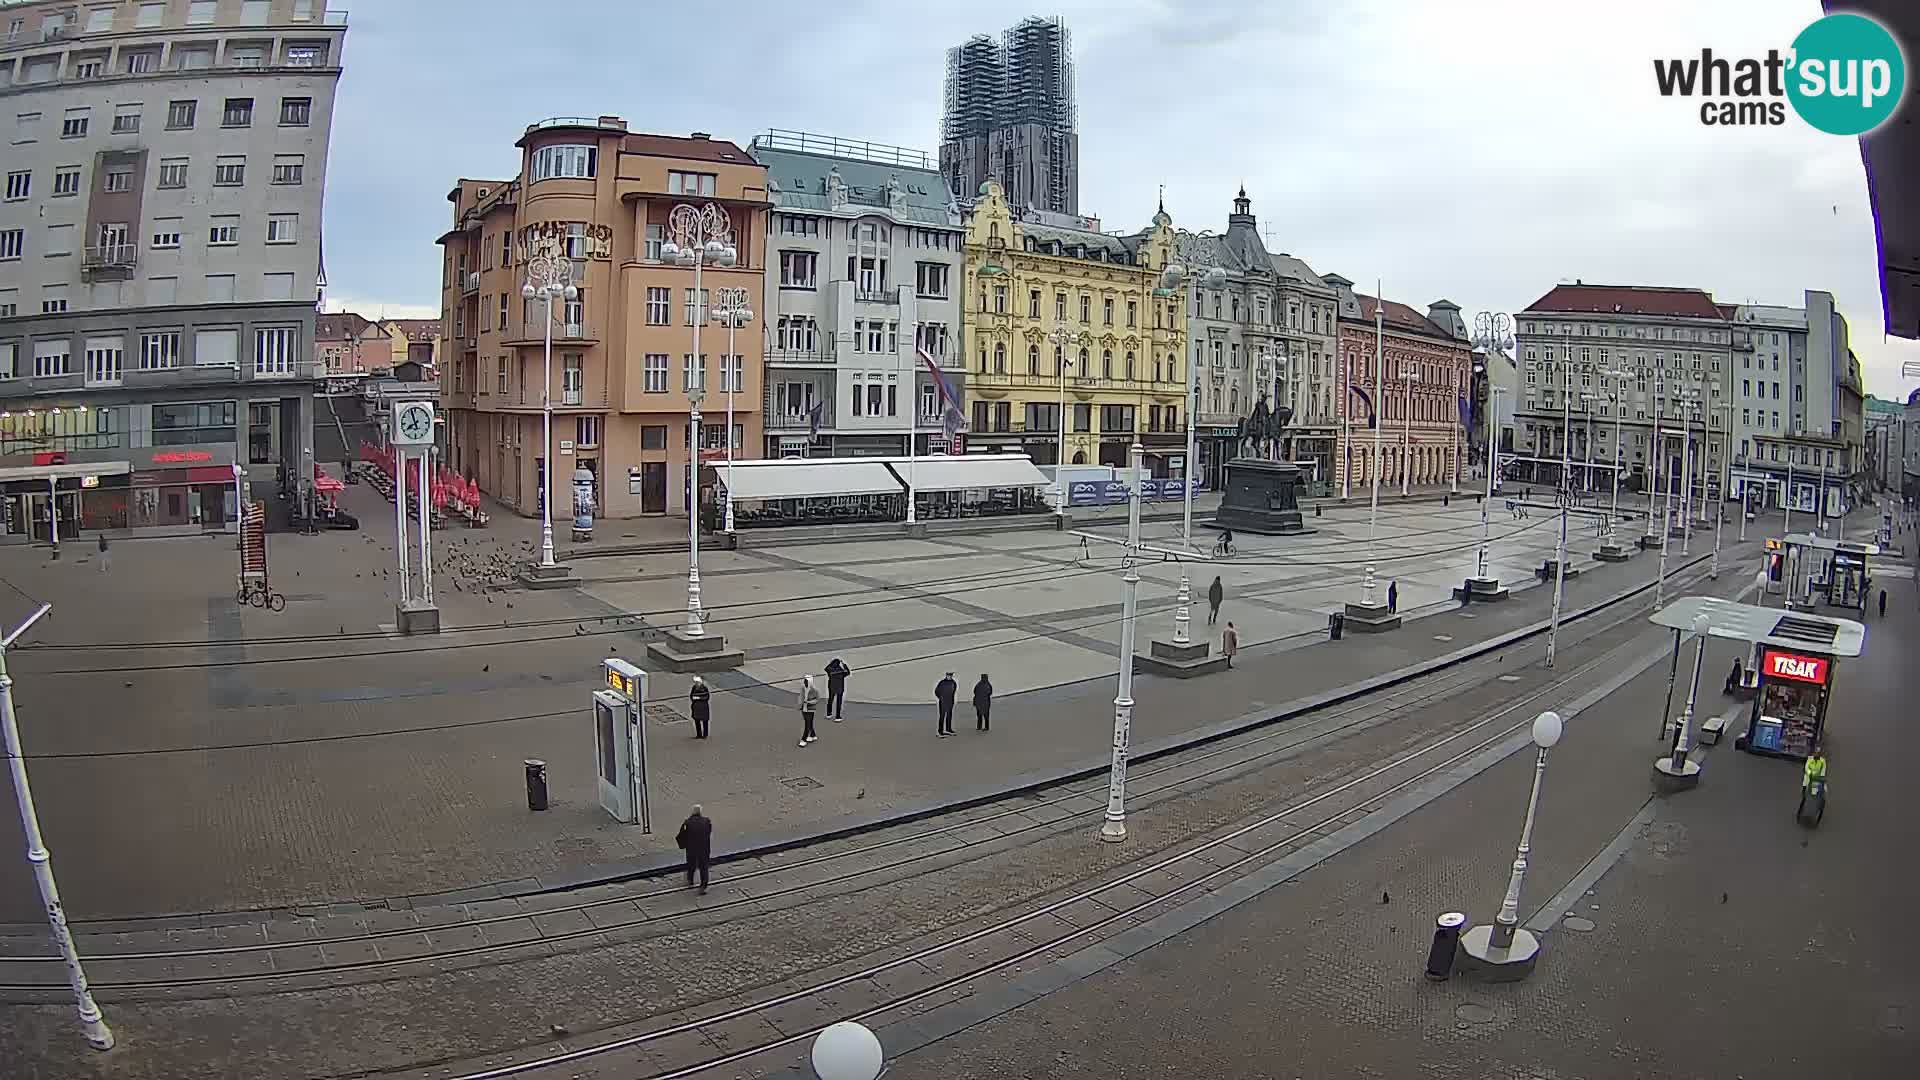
<point x="1261" y="431"/>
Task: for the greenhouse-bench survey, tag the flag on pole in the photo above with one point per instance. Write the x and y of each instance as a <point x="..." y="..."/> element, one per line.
<point x="1365" y="400"/>
<point x="1466" y="413"/>
<point x="813" y="419"/>
<point x="952" y="419"/>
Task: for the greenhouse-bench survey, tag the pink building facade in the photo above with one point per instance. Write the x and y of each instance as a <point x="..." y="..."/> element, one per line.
<point x="1418" y="396"/>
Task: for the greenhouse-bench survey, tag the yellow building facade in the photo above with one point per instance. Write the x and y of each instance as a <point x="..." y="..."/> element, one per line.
<point x="1064" y="322"/>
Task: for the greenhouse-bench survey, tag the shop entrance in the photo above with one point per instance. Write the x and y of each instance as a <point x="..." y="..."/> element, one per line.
<point x="653" y="487"/>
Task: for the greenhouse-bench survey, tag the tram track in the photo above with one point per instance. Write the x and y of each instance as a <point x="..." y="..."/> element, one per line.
<point x="1247" y="750"/>
<point x="1189" y="868"/>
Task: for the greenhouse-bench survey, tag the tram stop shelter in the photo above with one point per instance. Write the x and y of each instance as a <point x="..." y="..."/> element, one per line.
<point x="1791" y="671"/>
<point x="1835" y="571"/>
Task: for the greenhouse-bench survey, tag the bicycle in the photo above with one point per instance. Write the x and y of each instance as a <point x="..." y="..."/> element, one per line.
<point x="257" y="594"/>
<point x="1222" y="547"/>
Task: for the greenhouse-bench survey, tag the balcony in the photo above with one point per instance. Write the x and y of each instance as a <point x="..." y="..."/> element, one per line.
<point x="570" y="333"/>
<point x="822" y="357"/>
<point x="470" y="283"/>
<point x="109" y="261"/>
<point x="889" y="297"/>
<point x="786" y="421"/>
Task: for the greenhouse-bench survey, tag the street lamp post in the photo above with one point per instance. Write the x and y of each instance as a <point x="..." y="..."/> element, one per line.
<point x="1486" y="505"/>
<point x="1688" y="403"/>
<point x="696" y="236"/>
<point x="733" y="311"/>
<point x="1492" y="330"/>
<point x="1504" y="944"/>
<point x="1114" y="828"/>
<point x="548" y="277"/>
<point x="1676" y="770"/>
<point x="99" y="1036"/>
<point x="1720" y="507"/>
<point x="1373" y="473"/>
<point x="1061" y="337"/>
<point x="1179" y="275"/>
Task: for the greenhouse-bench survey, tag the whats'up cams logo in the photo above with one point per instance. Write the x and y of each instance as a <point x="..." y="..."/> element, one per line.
<point x="1844" y="75"/>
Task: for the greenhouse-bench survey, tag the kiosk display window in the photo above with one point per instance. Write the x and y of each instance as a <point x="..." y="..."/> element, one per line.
<point x="1792" y="702"/>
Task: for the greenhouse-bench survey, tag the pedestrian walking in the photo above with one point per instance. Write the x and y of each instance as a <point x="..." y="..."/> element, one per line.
<point x="106" y="559"/>
<point x="1216" y="592"/>
<point x="837" y="672"/>
<point x="809" y="704"/>
<point x="983" y="704"/>
<point x="943" y="693"/>
<point x="696" y="839"/>
<point x="1229" y="642"/>
<point x="1883" y="603"/>
<point x="697" y="699"/>
<point x="1393" y="596"/>
<point x="1734" y="680"/>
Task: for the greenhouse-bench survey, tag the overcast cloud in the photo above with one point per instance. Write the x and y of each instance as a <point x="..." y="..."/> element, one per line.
<point x="1481" y="151"/>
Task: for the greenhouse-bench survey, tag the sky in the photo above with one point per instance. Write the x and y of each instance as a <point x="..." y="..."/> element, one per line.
<point x="1481" y="151"/>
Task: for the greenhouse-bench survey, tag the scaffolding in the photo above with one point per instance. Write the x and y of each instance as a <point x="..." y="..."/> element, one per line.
<point x="1010" y="116"/>
<point x="976" y="87"/>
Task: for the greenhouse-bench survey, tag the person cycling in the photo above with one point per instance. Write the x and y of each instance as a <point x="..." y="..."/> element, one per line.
<point x="1224" y="545"/>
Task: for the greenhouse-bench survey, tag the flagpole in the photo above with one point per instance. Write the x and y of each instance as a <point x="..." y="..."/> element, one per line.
<point x="1379" y="399"/>
<point x="913" y="428"/>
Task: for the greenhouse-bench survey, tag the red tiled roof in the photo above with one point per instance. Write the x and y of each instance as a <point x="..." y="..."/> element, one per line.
<point x="721" y="150"/>
<point x="1400" y="316"/>
<point x="338" y="326"/>
<point x="1630" y="300"/>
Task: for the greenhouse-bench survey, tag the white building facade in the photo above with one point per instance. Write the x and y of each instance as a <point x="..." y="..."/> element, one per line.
<point x="865" y="251"/>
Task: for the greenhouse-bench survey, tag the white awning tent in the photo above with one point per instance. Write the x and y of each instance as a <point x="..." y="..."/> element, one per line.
<point x="807" y="478"/>
<point x="1765" y="626"/>
<point x="12" y="473"/>
<point x="970" y="472"/>
<point x="1826" y="543"/>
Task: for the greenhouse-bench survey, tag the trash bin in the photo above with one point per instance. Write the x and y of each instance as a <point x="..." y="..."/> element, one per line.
<point x="1336" y="622"/>
<point x="1446" y="943"/>
<point x="536" y="784"/>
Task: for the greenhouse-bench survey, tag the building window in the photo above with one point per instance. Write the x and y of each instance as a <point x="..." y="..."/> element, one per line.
<point x="117" y="178"/>
<point x="305" y="55"/>
<point x="291" y="169"/>
<point x="503" y="311"/>
<point x="930" y="280"/>
<point x="1059" y="307"/>
<point x="180" y="114"/>
<point x="658" y="300"/>
<point x="696" y="305"/>
<point x="565" y="162"/>
<point x="166" y="233"/>
<point x="237" y="112"/>
<point x="66" y="180"/>
<point x="285" y="229"/>
<point x="194" y="422"/>
<point x="656" y="238"/>
<point x="693" y="376"/>
<point x="173" y="172"/>
<point x="12" y="242"/>
<point x="274" y="350"/>
<point x="126" y="120"/>
<point x="1086" y="308"/>
<point x="691" y="183"/>
<point x="295" y="111"/>
<point x="224" y="231"/>
<point x="230" y="171"/>
<point x="798" y="269"/>
<point x="74" y="124"/>
<point x="19" y="185"/>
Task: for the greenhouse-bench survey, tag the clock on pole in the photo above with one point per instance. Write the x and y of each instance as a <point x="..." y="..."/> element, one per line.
<point x="413" y="423"/>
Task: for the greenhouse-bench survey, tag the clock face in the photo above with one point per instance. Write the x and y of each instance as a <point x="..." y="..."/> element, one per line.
<point x="416" y="422"/>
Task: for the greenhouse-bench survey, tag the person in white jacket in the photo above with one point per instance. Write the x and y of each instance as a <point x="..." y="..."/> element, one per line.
<point x="809" y="704"/>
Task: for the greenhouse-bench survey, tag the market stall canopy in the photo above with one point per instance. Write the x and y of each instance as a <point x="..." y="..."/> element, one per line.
<point x="970" y="472"/>
<point x="808" y="478"/>
<point x="1765" y="626"/>
<point x="11" y="473"/>
<point x="1827" y="543"/>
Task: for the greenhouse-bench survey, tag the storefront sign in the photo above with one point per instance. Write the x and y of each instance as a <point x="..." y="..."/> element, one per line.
<point x="1786" y="665"/>
<point x="182" y="457"/>
<point x="1110" y="492"/>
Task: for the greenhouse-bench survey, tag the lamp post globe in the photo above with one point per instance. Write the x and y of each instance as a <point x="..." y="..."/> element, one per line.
<point x="527" y="291"/>
<point x="846" y="1051"/>
<point x="1547" y="728"/>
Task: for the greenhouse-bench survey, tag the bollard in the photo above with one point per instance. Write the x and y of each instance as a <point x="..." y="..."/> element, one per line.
<point x="1316" y="509"/>
<point x="536" y="784"/>
<point x="1336" y="622"/>
<point x="1446" y="944"/>
<point x="1446" y="501"/>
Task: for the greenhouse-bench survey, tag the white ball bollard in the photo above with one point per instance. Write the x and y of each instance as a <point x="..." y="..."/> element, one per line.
<point x="847" y="1051"/>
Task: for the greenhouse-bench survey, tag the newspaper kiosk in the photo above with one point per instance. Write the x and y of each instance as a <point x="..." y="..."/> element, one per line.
<point x="1795" y="654"/>
<point x="1833" y="572"/>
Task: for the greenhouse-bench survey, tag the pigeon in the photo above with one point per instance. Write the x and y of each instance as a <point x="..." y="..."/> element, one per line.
<point x="862" y="794"/>
<point x="1384" y="898"/>
<point x="486" y="667"/>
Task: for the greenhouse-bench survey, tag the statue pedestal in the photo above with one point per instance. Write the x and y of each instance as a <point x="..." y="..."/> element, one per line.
<point x="1261" y="497"/>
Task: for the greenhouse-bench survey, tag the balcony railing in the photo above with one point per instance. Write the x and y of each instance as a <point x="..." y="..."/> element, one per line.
<point x="786" y="421"/>
<point x="111" y="257"/>
<point x="801" y="356"/>
<point x="888" y="296"/>
<point x="470" y="283"/>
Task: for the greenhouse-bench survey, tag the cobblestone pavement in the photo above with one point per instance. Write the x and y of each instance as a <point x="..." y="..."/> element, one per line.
<point x="776" y="943"/>
<point x="302" y="758"/>
<point x="1727" y="942"/>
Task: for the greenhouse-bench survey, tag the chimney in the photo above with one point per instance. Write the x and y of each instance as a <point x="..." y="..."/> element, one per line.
<point x="701" y="136"/>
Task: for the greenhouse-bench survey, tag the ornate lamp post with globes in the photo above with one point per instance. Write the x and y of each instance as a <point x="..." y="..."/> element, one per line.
<point x="731" y="310"/>
<point x="549" y="277"/>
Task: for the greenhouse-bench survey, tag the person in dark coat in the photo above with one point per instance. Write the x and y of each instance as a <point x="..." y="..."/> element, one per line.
<point x="697" y="699"/>
<point x="1393" y="596"/>
<point x="696" y="839"/>
<point x="1216" y="592"/>
<point x="1883" y="603"/>
<point x="1733" y="678"/>
<point x="837" y="672"/>
<point x="983" y="704"/>
<point x="106" y="564"/>
<point x="943" y="693"/>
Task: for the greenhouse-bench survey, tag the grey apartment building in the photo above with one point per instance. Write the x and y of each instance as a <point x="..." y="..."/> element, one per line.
<point x="159" y="256"/>
<point x="864" y="265"/>
<point x="1631" y="359"/>
<point x="1796" y="387"/>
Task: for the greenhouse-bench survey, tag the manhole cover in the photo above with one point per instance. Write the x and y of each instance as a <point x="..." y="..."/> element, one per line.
<point x="800" y="783"/>
<point x="1474" y="1013"/>
<point x="664" y="714"/>
<point x="1575" y="922"/>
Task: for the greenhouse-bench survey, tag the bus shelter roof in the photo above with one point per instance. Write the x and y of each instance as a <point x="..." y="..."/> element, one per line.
<point x="1798" y="630"/>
